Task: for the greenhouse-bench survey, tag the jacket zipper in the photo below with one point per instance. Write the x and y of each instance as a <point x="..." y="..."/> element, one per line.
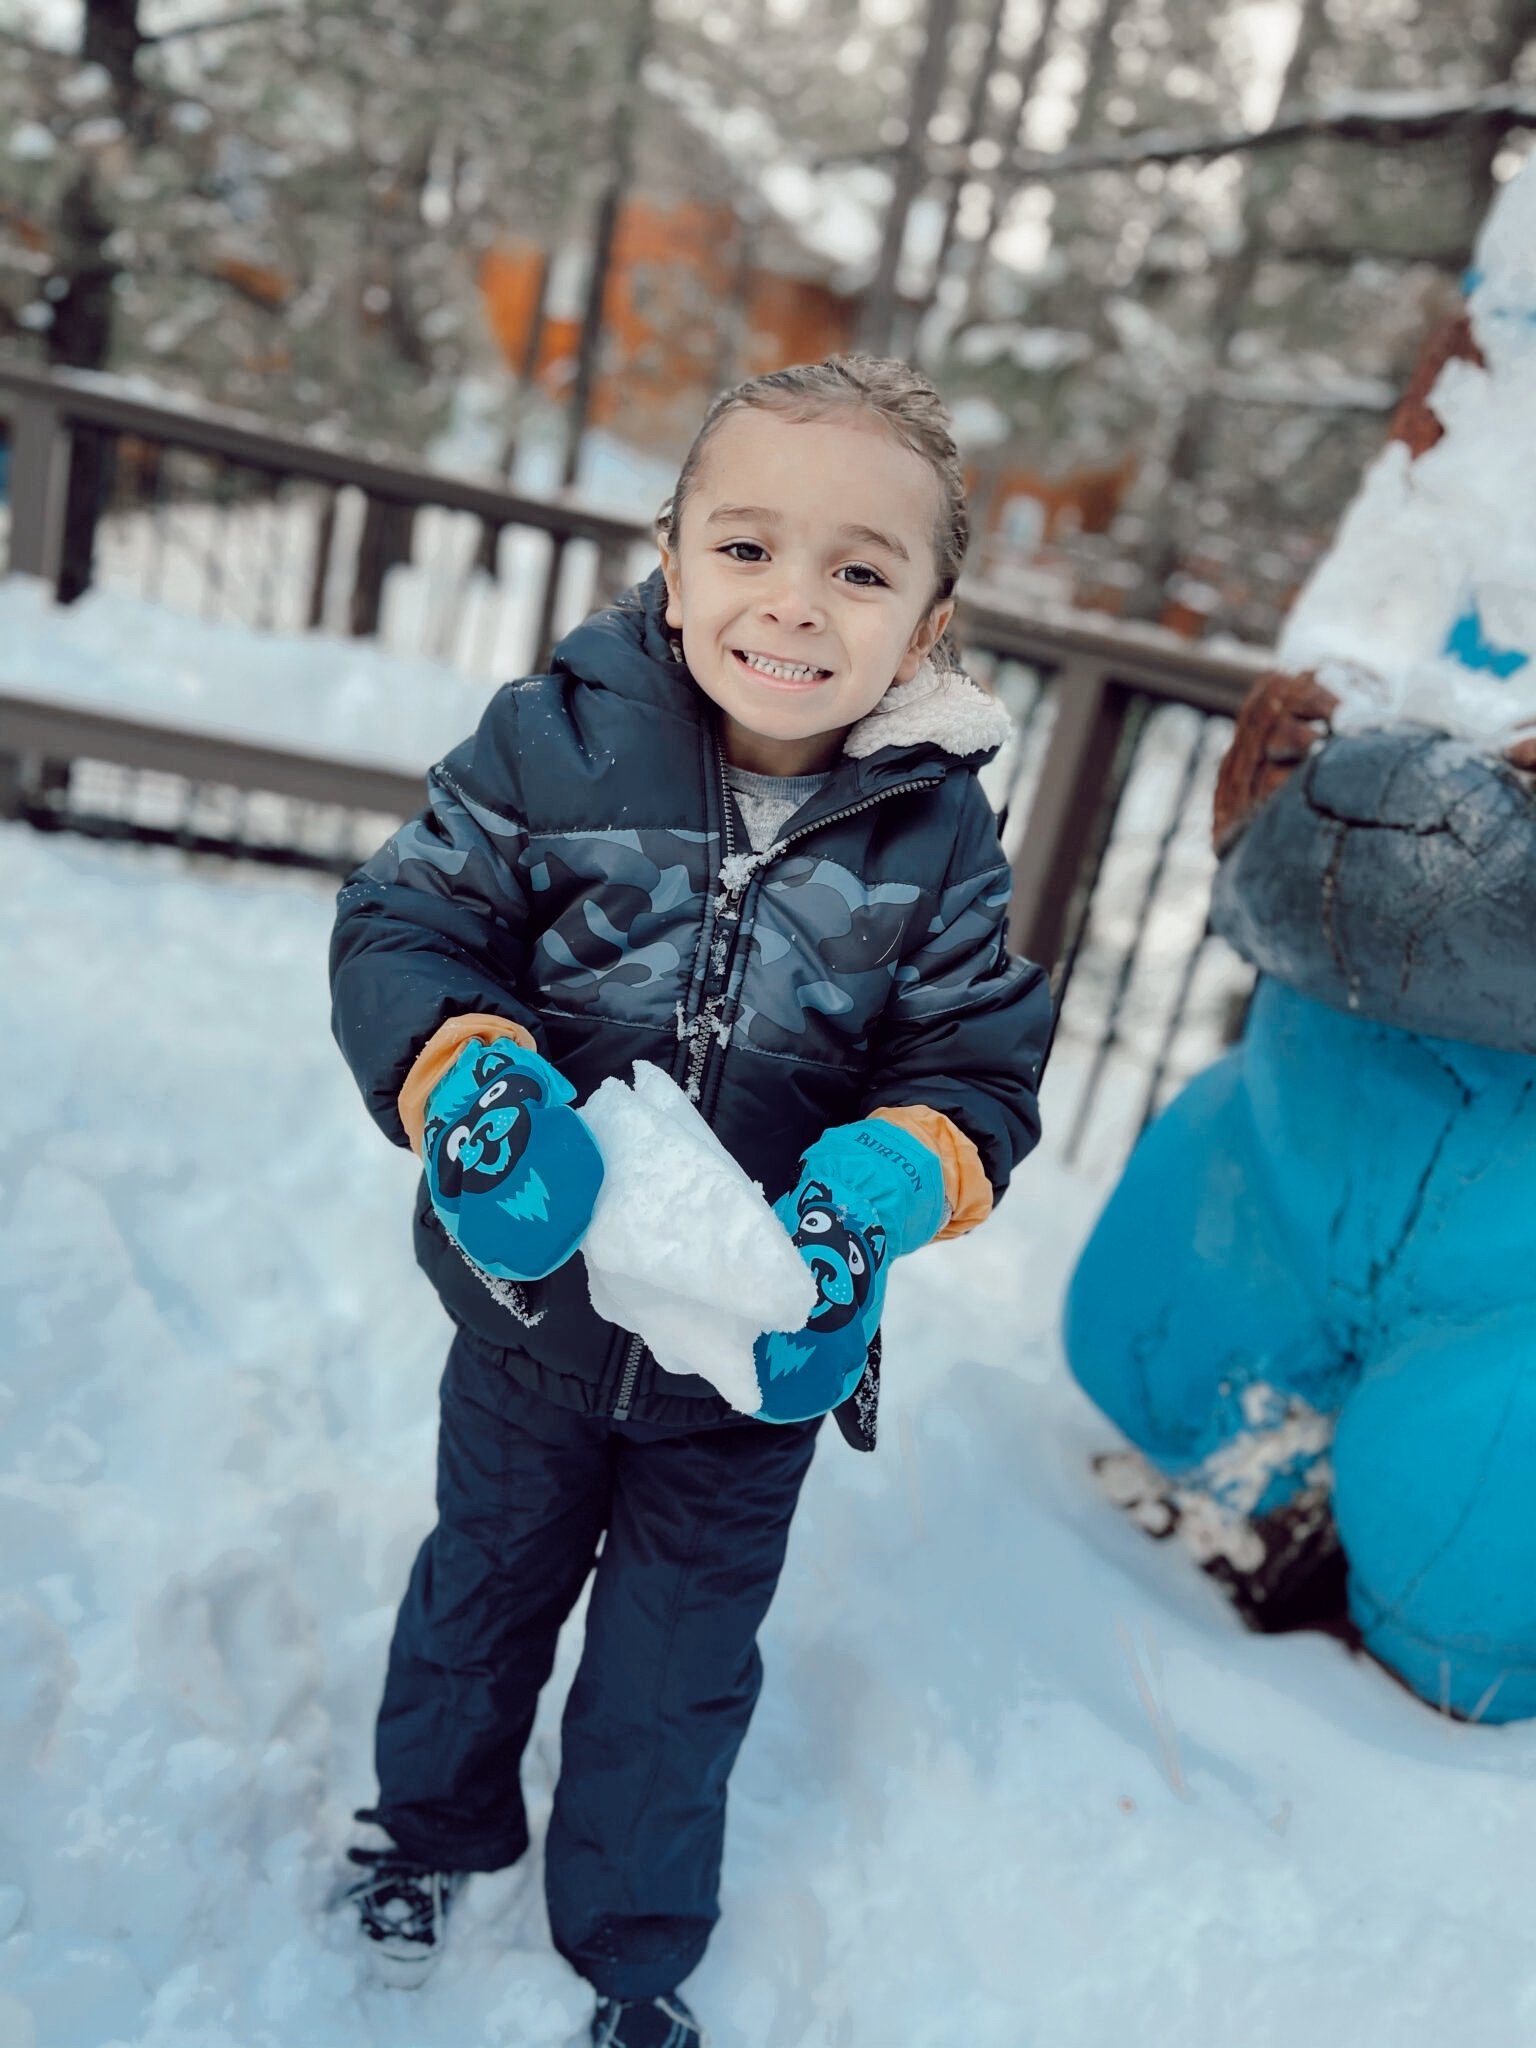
<point x="732" y="901"/>
<point x="727" y="909"/>
<point x="696" y="1052"/>
<point x="705" y="1026"/>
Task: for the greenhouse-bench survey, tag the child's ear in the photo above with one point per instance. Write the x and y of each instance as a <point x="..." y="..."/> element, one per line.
<point x="671" y="570"/>
<point x="925" y="638"/>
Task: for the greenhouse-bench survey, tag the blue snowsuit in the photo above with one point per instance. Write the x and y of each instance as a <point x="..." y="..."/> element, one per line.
<point x="567" y="875"/>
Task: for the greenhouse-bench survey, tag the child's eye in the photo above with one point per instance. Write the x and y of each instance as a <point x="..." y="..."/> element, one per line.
<point x="862" y="576"/>
<point x="755" y="551"/>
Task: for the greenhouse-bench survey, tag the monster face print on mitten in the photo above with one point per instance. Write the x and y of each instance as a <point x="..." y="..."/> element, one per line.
<point x="512" y="1169"/>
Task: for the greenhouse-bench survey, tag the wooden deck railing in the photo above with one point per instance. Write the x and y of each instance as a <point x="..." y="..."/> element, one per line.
<point x="1093" y="682"/>
<point x="52" y="535"/>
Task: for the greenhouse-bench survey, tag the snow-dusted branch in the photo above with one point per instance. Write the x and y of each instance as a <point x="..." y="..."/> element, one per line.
<point x="1314" y="387"/>
<point x="211" y="22"/>
<point x="1345" y="255"/>
<point x="1386" y="119"/>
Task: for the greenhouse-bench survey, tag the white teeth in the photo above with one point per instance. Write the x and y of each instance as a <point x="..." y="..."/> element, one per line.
<point x="788" y="671"/>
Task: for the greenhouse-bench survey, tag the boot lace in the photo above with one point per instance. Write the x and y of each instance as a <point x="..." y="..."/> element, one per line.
<point x="397" y="1898"/>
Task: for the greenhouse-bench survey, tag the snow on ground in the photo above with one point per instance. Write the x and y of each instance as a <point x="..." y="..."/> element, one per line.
<point x="1018" y="1780"/>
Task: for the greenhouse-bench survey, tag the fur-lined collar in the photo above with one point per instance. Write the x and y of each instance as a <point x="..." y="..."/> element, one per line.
<point x="939" y="707"/>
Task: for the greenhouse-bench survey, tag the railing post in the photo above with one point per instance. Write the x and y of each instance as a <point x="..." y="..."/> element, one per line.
<point x="544" y="636"/>
<point x="388" y="527"/>
<point x="608" y="574"/>
<point x="92" y="460"/>
<point x="320" y="567"/>
<point x="1060" y="830"/>
<point x="17" y="772"/>
<point x="39" y="476"/>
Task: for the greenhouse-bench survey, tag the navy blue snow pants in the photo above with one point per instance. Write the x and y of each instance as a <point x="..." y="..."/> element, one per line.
<point x="694" y="1527"/>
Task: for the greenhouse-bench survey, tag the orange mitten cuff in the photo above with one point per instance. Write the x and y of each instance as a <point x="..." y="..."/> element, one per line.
<point x="966" y="1187"/>
<point x="439" y="1054"/>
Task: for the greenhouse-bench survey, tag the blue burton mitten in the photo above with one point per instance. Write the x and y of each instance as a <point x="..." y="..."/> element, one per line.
<point x="512" y="1170"/>
<point x="867" y="1192"/>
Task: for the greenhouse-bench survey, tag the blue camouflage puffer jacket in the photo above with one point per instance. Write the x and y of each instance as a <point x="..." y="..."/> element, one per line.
<point x="582" y="869"/>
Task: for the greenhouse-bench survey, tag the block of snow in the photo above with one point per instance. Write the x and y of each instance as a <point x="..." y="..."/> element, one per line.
<point x="683" y="1249"/>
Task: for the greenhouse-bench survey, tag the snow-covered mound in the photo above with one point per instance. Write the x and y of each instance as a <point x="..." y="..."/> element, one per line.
<point x="1018" y="1776"/>
<point x="1424" y="609"/>
<point x="683" y="1248"/>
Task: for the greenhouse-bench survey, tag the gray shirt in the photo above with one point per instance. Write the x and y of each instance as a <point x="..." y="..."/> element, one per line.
<point x="767" y="801"/>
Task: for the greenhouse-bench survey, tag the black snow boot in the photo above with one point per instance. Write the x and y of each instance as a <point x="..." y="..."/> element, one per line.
<point x="645" y="2023"/>
<point x="402" y="1909"/>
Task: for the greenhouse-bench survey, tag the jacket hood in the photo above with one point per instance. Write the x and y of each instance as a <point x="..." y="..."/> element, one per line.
<point x="630" y="648"/>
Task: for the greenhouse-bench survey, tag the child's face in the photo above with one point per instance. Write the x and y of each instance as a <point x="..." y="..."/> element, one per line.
<point x="809" y="545"/>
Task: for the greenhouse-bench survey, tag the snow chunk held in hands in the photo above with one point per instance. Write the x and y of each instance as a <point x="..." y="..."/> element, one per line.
<point x="683" y="1250"/>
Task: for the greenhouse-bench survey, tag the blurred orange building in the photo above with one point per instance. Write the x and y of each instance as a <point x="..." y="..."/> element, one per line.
<point x="697" y="297"/>
<point x="708" y="284"/>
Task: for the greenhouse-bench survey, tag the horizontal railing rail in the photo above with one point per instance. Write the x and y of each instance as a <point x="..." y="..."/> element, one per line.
<point x="32" y="728"/>
<point x="78" y="399"/>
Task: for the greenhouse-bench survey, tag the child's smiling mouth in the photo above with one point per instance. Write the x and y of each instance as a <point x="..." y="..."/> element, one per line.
<point x="779" y="675"/>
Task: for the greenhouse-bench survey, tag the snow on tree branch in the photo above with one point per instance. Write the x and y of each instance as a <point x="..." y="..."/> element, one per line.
<point x="1384" y="119"/>
<point x="211" y="22"/>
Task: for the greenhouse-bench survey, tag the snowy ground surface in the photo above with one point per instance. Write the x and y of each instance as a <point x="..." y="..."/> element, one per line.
<point x="1018" y="1779"/>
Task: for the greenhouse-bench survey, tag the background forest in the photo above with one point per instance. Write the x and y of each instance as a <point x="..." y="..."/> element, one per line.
<point x="1171" y="260"/>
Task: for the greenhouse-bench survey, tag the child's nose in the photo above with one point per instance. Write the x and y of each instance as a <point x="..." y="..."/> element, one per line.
<point x="792" y="602"/>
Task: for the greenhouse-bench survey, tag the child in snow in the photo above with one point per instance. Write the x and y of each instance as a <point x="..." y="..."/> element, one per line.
<point x="736" y="831"/>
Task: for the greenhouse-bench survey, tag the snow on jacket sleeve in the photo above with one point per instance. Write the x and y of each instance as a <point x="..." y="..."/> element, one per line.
<point x="967" y="1026"/>
<point x="433" y="925"/>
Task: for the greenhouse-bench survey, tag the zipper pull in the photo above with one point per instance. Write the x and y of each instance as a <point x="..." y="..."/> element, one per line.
<point x="735" y="878"/>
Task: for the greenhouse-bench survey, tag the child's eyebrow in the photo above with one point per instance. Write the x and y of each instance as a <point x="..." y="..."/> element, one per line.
<point x="872" y="537"/>
<point x="739" y="515"/>
<point x="760" y="515"/>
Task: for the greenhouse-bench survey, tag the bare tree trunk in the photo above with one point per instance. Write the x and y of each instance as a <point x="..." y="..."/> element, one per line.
<point x="1000" y="187"/>
<point x="491" y="530"/>
<point x="1188" y="433"/>
<point x="111" y="37"/>
<point x="734" y="329"/>
<point x="621" y="149"/>
<point x="976" y="125"/>
<point x="877" y="319"/>
<point x="80" y="337"/>
<point x="401" y="208"/>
